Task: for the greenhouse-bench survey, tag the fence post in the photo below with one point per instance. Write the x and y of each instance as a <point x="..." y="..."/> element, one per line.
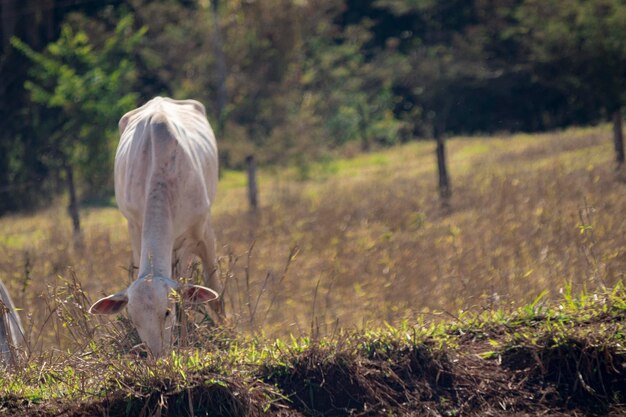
<point x="618" y="136"/>
<point x="252" y="183"/>
<point x="72" y="207"/>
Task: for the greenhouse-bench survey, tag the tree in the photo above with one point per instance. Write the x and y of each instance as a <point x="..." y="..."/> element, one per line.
<point x="579" y="46"/>
<point x="220" y="58"/>
<point x="444" y="59"/>
<point x="89" y="88"/>
<point x="353" y="92"/>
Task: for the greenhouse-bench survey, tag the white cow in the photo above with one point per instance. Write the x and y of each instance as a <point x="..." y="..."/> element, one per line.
<point x="165" y="183"/>
<point x="11" y="331"/>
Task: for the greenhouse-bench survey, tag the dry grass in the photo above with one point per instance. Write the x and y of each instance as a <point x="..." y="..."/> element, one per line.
<point x="363" y="241"/>
<point x="530" y="213"/>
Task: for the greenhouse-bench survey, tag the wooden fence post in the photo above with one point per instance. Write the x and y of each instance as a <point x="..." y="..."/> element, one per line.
<point x="72" y="207"/>
<point x="445" y="192"/>
<point x="252" y="183"/>
<point x="618" y="136"/>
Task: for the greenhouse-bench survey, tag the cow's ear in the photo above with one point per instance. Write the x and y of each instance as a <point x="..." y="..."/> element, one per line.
<point x="198" y="294"/>
<point x="111" y="304"/>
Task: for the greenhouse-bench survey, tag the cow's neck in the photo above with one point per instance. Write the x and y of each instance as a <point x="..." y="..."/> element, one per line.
<point x="156" y="239"/>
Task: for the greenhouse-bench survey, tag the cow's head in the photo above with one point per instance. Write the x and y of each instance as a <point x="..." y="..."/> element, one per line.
<point x="152" y="308"/>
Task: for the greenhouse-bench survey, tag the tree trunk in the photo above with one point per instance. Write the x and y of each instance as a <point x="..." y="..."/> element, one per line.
<point x="618" y="136"/>
<point x="221" y="66"/>
<point x="365" y="142"/>
<point x="72" y="208"/>
<point x="444" y="181"/>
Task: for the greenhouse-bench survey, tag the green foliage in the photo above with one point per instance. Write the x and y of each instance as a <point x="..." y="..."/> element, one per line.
<point x="305" y="78"/>
<point x="353" y="94"/>
<point x="578" y="45"/>
<point x="90" y="87"/>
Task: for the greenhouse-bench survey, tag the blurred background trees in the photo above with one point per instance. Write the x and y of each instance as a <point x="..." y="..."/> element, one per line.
<point x="292" y="80"/>
<point x="86" y="85"/>
<point x="578" y="46"/>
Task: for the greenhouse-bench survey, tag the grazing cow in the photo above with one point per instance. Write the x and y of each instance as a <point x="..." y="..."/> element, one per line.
<point x="165" y="183"/>
<point x="11" y="331"/>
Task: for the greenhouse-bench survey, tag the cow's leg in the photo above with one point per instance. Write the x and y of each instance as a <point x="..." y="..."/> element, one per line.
<point x="134" y="231"/>
<point x="207" y="253"/>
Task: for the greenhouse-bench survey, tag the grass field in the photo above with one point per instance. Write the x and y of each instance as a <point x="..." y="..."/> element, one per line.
<point x="358" y="261"/>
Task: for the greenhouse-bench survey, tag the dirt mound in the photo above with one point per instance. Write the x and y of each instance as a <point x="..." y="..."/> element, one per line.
<point x="223" y="397"/>
<point x="584" y="374"/>
<point x="319" y="381"/>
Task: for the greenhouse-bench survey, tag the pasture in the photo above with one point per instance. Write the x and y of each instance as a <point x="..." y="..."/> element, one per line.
<point x="339" y="250"/>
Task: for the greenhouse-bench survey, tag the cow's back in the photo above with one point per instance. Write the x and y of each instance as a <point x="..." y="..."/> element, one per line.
<point x="166" y="148"/>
